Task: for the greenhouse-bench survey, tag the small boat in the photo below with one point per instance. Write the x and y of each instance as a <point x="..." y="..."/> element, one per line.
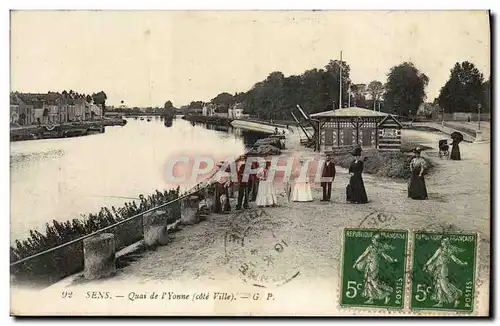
<point x="135" y="118"/>
<point x="142" y="118"/>
<point x="149" y="119"/>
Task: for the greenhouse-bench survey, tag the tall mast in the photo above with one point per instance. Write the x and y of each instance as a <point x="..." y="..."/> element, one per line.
<point x="349" y="95"/>
<point x="340" y="82"/>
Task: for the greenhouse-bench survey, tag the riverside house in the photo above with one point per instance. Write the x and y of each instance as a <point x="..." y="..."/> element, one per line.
<point x="21" y="112"/>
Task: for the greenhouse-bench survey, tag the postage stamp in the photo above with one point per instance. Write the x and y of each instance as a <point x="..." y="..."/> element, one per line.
<point x="373" y="268"/>
<point x="264" y="264"/>
<point x="443" y="271"/>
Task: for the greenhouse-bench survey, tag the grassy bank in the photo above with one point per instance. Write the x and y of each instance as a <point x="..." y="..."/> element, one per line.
<point x="386" y="164"/>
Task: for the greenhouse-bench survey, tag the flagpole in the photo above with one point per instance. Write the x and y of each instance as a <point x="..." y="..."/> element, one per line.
<point x="340" y="82"/>
<point x="349" y="95"/>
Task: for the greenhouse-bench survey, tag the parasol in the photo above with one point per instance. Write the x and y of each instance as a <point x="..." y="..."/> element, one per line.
<point x="457" y="137"/>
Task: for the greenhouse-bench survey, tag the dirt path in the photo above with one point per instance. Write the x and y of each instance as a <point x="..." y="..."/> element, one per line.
<point x="459" y="199"/>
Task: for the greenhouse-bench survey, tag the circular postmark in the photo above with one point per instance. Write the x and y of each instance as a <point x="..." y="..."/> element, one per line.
<point x="256" y="249"/>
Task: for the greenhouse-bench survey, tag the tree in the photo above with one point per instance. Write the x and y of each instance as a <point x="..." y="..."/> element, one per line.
<point x="223" y="101"/>
<point x="375" y="89"/>
<point x="332" y="81"/>
<point x="168" y="105"/>
<point x="464" y="90"/>
<point x="405" y="89"/>
<point x="88" y="99"/>
<point x="100" y="99"/>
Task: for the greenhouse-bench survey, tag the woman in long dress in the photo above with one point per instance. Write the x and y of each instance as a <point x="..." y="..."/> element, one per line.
<point x="455" y="150"/>
<point x="416" y="184"/>
<point x="444" y="292"/>
<point x="369" y="263"/>
<point x="355" y="190"/>
<point x="301" y="189"/>
<point x="266" y="195"/>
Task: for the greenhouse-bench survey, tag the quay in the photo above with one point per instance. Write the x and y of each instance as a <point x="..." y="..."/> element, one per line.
<point x="196" y="256"/>
<point x="71" y="129"/>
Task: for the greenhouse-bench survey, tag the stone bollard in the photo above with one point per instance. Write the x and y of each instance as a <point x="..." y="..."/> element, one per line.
<point x="155" y="228"/>
<point x="479" y="136"/>
<point x="189" y="210"/>
<point x="99" y="256"/>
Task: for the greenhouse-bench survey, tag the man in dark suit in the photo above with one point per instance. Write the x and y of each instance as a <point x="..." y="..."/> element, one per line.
<point x="329" y="174"/>
<point x="253" y="182"/>
<point x="242" y="188"/>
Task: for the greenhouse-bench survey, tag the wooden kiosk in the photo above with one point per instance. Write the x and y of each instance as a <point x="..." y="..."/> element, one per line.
<point x="350" y="126"/>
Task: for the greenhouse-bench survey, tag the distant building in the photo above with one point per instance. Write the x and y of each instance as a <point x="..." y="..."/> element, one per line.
<point x="96" y="112"/>
<point x="52" y="107"/>
<point x="208" y="109"/>
<point x="21" y="110"/>
<point x="236" y="112"/>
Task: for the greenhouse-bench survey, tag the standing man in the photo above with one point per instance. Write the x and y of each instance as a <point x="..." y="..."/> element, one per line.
<point x="328" y="173"/>
<point x="242" y="188"/>
<point x="253" y="182"/>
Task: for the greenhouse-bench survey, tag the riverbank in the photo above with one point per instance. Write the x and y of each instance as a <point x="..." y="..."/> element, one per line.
<point x="212" y="120"/>
<point x="259" y="126"/>
<point x="71" y="129"/>
<point x="50" y="268"/>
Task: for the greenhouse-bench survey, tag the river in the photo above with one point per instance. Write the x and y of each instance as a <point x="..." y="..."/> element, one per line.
<point x="59" y="179"/>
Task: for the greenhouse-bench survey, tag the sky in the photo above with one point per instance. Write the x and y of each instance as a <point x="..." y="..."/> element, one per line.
<point x="145" y="58"/>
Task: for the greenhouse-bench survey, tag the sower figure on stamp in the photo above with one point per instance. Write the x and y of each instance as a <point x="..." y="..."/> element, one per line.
<point x="327" y="173"/>
<point x="444" y="292"/>
<point x="243" y="187"/>
<point x="369" y="263"/>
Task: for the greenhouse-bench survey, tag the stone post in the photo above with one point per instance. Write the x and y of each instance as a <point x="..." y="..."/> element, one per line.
<point x="479" y="136"/>
<point x="155" y="228"/>
<point x="99" y="256"/>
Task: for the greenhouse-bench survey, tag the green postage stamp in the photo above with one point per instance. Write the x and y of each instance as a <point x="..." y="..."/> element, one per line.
<point x="373" y="268"/>
<point x="443" y="271"/>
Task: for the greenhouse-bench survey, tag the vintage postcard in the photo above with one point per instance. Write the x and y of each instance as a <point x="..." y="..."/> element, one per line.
<point x="250" y="163"/>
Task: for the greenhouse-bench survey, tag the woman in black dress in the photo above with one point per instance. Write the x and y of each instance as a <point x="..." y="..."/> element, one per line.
<point x="416" y="184"/>
<point x="355" y="191"/>
<point x="455" y="150"/>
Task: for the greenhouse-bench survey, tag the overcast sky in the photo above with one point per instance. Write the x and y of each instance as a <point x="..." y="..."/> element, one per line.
<point x="148" y="57"/>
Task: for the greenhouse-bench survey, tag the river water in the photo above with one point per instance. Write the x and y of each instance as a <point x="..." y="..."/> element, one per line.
<point x="59" y="179"/>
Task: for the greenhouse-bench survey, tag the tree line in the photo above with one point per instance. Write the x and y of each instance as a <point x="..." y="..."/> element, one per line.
<point x="317" y="90"/>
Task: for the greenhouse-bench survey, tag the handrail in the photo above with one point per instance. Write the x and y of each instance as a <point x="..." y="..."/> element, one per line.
<point x="104" y="229"/>
<point x="189" y="193"/>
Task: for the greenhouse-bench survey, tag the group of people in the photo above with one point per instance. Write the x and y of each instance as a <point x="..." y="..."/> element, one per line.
<point x="259" y="187"/>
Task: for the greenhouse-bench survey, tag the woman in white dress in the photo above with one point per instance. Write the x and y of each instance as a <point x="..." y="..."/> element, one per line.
<point x="265" y="195"/>
<point x="301" y="189"/>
